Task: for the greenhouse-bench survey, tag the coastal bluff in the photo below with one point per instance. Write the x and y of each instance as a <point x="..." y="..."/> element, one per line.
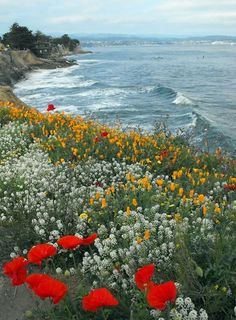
<point x="14" y="64"/>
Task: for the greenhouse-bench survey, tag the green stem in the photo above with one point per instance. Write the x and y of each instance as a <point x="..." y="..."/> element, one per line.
<point x="73" y="257"/>
<point x="103" y="314"/>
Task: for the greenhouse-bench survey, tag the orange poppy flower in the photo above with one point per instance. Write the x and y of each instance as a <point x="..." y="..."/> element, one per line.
<point x="160" y="294"/>
<point x="143" y="276"/>
<point x="98" y="298"/>
<point x="41" y="252"/>
<point x="16" y="270"/>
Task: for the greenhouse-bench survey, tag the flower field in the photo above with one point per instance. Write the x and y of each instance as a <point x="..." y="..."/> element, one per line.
<point x="115" y="225"/>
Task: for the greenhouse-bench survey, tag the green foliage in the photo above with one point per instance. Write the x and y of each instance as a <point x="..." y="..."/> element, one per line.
<point x="19" y="37"/>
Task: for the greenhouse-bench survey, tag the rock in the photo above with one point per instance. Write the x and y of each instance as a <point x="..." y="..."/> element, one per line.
<point x="6" y="94"/>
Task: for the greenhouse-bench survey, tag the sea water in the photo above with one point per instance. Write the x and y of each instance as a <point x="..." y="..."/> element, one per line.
<point x="189" y="86"/>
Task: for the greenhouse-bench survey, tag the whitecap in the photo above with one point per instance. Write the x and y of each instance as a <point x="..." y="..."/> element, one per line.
<point x="182" y="100"/>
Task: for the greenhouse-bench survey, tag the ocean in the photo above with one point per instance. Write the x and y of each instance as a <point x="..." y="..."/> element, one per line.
<point x="188" y="86"/>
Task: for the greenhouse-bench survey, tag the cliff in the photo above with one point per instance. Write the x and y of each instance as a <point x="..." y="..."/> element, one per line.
<point x="15" y="64"/>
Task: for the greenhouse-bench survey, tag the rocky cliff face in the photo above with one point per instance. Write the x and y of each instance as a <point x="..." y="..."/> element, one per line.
<point x="6" y="94"/>
<point x="15" y="64"/>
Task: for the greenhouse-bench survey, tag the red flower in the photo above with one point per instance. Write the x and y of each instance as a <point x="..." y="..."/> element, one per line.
<point x="96" y="139"/>
<point x="69" y="242"/>
<point x="98" y="298"/>
<point x="40" y="252"/>
<point x="98" y="184"/>
<point x="143" y="276"/>
<point x="51" y="107"/>
<point x="160" y="294"/>
<point x="89" y="240"/>
<point x="47" y="287"/>
<point x="104" y="134"/>
<point x="16" y="270"/>
<point x="230" y="187"/>
<point x="35" y="279"/>
<point x="164" y="153"/>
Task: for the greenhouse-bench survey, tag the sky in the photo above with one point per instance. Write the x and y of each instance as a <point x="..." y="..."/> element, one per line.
<point x="140" y="17"/>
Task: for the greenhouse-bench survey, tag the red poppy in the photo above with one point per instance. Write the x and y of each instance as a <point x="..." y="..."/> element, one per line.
<point x="96" y="139"/>
<point x="51" y="107"/>
<point x="16" y="270"/>
<point x="35" y="279"/>
<point x="98" y="298"/>
<point x="160" y="294"/>
<point x="89" y="240"/>
<point x="40" y="252"/>
<point x="104" y="134"/>
<point x="69" y="242"/>
<point x="47" y="287"/>
<point x="230" y="187"/>
<point x="98" y="184"/>
<point x="143" y="277"/>
<point x="164" y="153"/>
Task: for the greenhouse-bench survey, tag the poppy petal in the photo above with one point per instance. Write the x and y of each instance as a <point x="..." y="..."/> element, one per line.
<point x="143" y="276"/>
<point x="98" y="298"/>
<point x="40" y="252"/>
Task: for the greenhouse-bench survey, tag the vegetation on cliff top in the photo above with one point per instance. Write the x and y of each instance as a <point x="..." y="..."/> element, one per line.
<point x="127" y="200"/>
<point x="21" y="38"/>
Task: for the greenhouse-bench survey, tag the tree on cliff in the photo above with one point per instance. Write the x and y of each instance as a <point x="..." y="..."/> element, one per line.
<point x="19" y="37"/>
<point x="67" y="42"/>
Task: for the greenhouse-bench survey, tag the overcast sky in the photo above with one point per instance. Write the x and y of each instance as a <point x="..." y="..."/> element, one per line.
<point x="159" y="17"/>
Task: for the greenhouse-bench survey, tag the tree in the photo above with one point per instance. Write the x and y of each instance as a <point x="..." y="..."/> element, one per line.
<point x="19" y="37"/>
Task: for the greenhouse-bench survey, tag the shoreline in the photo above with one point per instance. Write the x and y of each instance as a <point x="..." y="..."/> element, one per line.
<point x="15" y="64"/>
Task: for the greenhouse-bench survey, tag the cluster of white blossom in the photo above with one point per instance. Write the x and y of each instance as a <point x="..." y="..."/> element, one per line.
<point x="185" y="310"/>
<point x="13" y="140"/>
<point x="146" y="236"/>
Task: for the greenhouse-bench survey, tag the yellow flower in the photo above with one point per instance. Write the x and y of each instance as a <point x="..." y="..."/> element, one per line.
<point x="84" y="216"/>
<point x="202" y="180"/>
<point x="139" y="240"/>
<point x="104" y="203"/>
<point x="97" y="195"/>
<point x="172" y="186"/>
<point x="217" y="209"/>
<point x="181" y="191"/>
<point x="159" y="182"/>
<point x="191" y="193"/>
<point x="178" y="217"/>
<point x="134" y="202"/>
<point x="147" y="234"/>
<point x="91" y="201"/>
<point x="204" y="210"/>
<point x="128" y="211"/>
<point x="201" y="197"/>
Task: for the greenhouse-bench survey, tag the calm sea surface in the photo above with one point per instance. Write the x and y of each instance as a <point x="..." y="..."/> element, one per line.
<point x="190" y="86"/>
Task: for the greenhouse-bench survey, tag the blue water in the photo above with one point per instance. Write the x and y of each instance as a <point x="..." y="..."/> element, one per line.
<point x="189" y="86"/>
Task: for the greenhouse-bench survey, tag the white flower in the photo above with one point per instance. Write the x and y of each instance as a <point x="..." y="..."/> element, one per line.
<point x="192" y="315"/>
<point x="58" y="270"/>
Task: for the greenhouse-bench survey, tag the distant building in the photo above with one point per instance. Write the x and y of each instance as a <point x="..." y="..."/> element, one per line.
<point x="43" y="49"/>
